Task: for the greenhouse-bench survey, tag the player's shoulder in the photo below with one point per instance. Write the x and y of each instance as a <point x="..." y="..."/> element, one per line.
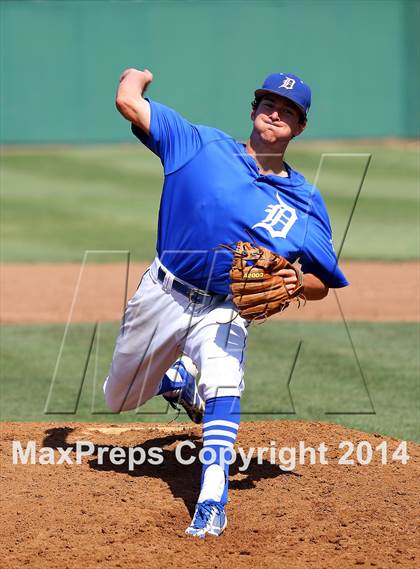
<point x="318" y="208"/>
<point x="212" y="134"/>
<point x="310" y="194"/>
<point x="206" y="133"/>
<point x="304" y="185"/>
<point x="301" y="184"/>
<point x="316" y="195"/>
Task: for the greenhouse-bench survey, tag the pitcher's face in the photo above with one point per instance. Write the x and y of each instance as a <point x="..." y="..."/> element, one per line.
<point x="277" y="119"/>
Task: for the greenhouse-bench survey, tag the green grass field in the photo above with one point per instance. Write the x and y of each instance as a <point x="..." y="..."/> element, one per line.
<point x="58" y="203"/>
<point x="326" y="383"/>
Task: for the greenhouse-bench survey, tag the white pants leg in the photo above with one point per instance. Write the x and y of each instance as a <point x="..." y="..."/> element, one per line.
<point x="217" y="345"/>
<point x="146" y="347"/>
<point x="158" y="325"/>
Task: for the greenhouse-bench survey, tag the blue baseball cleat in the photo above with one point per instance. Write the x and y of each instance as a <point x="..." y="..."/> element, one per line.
<point x="209" y="518"/>
<point x="188" y="396"/>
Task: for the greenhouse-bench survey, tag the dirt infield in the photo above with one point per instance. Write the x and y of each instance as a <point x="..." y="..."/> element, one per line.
<point x="104" y="515"/>
<point x="44" y="293"/>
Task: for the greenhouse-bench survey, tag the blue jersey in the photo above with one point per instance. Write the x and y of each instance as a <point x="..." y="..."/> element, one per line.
<point x="213" y="193"/>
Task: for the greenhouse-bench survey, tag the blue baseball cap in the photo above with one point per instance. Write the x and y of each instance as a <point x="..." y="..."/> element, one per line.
<point x="290" y="86"/>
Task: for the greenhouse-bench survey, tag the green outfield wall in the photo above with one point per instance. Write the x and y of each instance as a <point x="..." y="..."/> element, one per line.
<point x="61" y="59"/>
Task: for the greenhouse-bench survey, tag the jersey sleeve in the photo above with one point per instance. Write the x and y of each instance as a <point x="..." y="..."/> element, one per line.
<point x="318" y="254"/>
<point x="171" y="137"/>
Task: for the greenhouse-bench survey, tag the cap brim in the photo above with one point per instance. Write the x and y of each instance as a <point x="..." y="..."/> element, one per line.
<point x="260" y="92"/>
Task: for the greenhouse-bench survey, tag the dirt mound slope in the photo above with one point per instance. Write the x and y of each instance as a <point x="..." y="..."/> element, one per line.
<point x="100" y="514"/>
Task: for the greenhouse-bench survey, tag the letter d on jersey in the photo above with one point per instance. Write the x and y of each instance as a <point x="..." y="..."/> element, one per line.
<point x="280" y="219"/>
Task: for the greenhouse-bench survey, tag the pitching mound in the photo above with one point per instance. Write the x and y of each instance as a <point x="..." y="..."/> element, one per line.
<point x="103" y="514"/>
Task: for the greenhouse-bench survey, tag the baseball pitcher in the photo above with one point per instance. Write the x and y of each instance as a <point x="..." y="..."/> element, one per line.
<point x="234" y="220"/>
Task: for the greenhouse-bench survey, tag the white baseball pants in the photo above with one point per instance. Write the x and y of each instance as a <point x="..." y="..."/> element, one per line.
<point x="158" y="325"/>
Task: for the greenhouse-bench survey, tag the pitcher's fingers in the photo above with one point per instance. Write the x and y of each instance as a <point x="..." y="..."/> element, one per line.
<point x="286" y="273"/>
<point x="289" y="277"/>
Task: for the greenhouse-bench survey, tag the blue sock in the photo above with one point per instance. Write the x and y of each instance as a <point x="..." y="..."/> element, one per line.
<point x="220" y="427"/>
<point x="175" y="378"/>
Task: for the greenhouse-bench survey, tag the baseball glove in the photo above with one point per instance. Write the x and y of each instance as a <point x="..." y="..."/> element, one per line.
<point x="258" y="290"/>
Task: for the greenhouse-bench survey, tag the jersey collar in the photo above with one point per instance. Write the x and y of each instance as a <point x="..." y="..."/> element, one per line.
<point x="294" y="179"/>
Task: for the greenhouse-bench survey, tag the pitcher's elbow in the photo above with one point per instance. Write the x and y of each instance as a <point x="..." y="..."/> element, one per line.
<point x="122" y="104"/>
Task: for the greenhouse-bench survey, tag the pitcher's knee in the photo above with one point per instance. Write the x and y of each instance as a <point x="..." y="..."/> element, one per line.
<point x="119" y="397"/>
<point x="113" y="399"/>
<point x="124" y="395"/>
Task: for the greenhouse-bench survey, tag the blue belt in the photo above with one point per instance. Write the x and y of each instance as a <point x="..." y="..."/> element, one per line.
<point x="195" y="295"/>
